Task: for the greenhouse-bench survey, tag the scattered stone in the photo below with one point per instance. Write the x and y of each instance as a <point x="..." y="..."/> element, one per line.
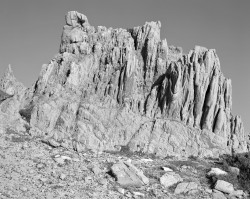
<point x="188" y="168"/>
<point x="170" y="178"/>
<point x="103" y="181"/>
<point x="87" y="179"/>
<point x="63" y="176"/>
<point x="138" y="193"/>
<point x="121" y="190"/>
<point x="186" y="187"/>
<point x="209" y="190"/>
<point x="76" y="159"/>
<point x="52" y="143"/>
<point x="61" y="159"/>
<point x="167" y="169"/>
<point x="96" y="170"/>
<point x="24" y="189"/>
<point x="224" y="186"/>
<point x="66" y="158"/>
<point x="25" y="145"/>
<point x="83" y="168"/>
<point x="216" y="172"/>
<point x="40" y="166"/>
<point x="147" y="160"/>
<point x="129" y="195"/>
<point x="237" y="193"/>
<point x="234" y="170"/>
<point x="128" y="175"/>
<point x="218" y="195"/>
<point x="42" y="179"/>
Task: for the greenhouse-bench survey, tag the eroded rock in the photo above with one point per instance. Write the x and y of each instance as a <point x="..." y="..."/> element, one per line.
<point x="126" y="87"/>
<point x="216" y="172"/>
<point x="186" y="187"/>
<point x="170" y="178"/>
<point x="128" y="175"/>
<point x="224" y="186"/>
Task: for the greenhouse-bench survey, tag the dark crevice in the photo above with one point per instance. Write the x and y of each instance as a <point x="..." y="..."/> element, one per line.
<point x="68" y="73"/>
<point x="26" y="112"/>
<point x="144" y="57"/>
<point x="205" y="107"/>
<point x="119" y="87"/>
<point x="215" y="120"/>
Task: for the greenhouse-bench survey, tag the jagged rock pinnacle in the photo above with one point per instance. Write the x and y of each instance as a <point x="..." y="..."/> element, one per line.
<point x="10" y="84"/>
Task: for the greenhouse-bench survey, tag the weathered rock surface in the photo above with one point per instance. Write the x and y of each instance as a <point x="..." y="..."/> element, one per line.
<point x="218" y="195"/>
<point x="128" y="175"/>
<point x="224" y="186"/>
<point x="170" y="178"/>
<point x="216" y="172"/>
<point x="126" y="87"/>
<point x="186" y="187"/>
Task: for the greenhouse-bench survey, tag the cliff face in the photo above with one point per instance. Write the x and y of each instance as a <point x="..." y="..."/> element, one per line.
<point x="111" y="88"/>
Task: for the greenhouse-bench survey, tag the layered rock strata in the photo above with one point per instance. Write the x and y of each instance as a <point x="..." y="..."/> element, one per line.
<point x="112" y="88"/>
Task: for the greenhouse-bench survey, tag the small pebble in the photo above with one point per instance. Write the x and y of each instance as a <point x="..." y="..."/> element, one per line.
<point x="129" y="195"/>
<point x="147" y="160"/>
<point x="24" y="189"/>
<point x="63" y="176"/>
<point x="88" y="178"/>
<point x="59" y="160"/>
<point x="121" y="190"/>
<point x="43" y="179"/>
<point x="40" y="166"/>
<point x="167" y="169"/>
<point x="96" y="170"/>
<point x="103" y="181"/>
<point x="138" y="194"/>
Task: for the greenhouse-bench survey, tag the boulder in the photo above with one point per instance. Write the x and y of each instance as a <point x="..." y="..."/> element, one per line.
<point x="216" y="172"/>
<point x="234" y="170"/>
<point x="224" y="186"/>
<point x="170" y="178"/>
<point x="127" y="175"/>
<point x="238" y="193"/>
<point x="218" y="195"/>
<point x="186" y="187"/>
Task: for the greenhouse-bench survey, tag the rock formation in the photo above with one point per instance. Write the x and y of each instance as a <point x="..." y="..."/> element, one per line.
<point x="113" y="88"/>
<point x="10" y="84"/>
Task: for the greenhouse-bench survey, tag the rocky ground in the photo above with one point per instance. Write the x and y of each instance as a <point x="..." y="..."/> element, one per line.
<point x="31" y="168"/>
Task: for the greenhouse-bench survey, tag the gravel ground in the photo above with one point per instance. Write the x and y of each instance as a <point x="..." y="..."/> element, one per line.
<point x="30" y="168"/>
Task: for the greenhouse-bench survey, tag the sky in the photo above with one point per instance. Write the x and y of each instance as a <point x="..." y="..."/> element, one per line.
<point x="30" y="32"/>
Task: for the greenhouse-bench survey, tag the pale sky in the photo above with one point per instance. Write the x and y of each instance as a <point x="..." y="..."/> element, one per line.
<point x="30" y="32"/>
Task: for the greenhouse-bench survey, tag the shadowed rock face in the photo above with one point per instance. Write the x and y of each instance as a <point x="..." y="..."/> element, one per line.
<point x="126" y="87"/>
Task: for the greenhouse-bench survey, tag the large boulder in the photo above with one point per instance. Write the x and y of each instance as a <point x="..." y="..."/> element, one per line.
<point x="128" y="175"/>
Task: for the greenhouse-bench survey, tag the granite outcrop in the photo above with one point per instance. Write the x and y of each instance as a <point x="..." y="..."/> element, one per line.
<point x="109" y="89"/>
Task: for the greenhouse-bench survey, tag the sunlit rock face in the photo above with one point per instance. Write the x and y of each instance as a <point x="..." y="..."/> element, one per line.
<point x="109" y="88"/>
